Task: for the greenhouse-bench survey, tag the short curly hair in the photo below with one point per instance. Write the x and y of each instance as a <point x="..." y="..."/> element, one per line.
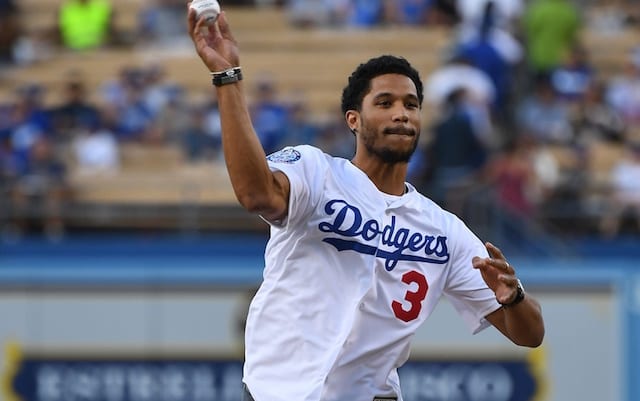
<point x="360" y="80"/>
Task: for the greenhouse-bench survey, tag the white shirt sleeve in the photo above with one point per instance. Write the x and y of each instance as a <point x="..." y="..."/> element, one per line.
<point x="465" y="288"/>
<point x="305" y="167"/>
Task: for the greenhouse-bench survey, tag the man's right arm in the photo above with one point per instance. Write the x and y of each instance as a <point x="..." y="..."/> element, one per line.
<point x="257" y="188"/>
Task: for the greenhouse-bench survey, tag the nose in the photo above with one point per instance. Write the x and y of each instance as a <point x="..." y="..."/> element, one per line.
<point x="400" y="114"/>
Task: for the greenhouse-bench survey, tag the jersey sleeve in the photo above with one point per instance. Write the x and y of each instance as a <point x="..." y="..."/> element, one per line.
<point x="305" y="167"/>
<point x="465" y="287"/>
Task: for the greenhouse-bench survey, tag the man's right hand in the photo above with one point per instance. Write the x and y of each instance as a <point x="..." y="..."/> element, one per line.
<point x="214" y="43"/>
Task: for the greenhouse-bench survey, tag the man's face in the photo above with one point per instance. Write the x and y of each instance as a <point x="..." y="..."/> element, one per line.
<point x="388" y="126"/>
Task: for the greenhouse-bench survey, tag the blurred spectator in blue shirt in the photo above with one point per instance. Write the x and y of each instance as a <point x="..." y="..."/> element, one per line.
<point x="301" y="129"/>
<point x="623" y="92"/>
<point x="127" y="108"/>
<point x="366" y="13"/>
<point x="29" y="120"/>
<point x="572" y="78"/>
<point x="410" y="12"/>
<point x="542" y="115"/>
<point x="270" y="115"/>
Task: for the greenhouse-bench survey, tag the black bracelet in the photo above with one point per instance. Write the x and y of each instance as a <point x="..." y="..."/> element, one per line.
<point x="225" y="77"/>
<point x="519" y="296"/>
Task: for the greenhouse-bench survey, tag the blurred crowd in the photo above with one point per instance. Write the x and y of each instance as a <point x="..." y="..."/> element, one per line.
<point x="528" y="132"/>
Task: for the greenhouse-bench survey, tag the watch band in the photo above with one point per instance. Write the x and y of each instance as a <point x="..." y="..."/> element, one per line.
<point x="225" y="77"/>
<point x="519" y="296"/>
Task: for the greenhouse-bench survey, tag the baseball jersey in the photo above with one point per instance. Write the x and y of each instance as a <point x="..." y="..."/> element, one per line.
<point x="349" y="276"/>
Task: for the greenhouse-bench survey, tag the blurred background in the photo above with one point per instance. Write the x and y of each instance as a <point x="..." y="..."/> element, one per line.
<point x="126" y="265"/>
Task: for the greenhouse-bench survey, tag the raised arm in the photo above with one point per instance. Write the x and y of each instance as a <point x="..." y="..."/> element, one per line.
<point x="257" y="188"/>
<point x="520" y="319"/>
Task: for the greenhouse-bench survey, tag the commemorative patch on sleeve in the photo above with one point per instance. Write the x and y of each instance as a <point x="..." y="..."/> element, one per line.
<point x="286" y="155"/>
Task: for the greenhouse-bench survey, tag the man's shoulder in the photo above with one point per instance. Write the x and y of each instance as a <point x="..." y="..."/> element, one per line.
<point x="300" y="154"/>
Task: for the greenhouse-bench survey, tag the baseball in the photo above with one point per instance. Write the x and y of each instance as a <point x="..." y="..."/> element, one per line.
<point x="209" y="9"/>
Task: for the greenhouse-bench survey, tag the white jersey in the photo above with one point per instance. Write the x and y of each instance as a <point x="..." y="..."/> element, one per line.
<point x="349" y="277"/>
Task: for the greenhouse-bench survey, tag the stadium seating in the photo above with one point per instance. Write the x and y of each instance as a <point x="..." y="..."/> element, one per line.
<point x="313" y="61"/>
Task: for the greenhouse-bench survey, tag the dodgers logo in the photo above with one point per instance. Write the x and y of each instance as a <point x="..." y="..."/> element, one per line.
<point x="406" y="245"/>
<point x="286" y="155"/>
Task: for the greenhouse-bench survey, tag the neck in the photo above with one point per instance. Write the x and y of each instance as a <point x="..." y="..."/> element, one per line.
<point x="388" y="178"/>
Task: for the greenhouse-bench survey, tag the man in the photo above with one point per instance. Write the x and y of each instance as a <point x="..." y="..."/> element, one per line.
<point x="85" y="24"/>
<point x="357" y="258"/>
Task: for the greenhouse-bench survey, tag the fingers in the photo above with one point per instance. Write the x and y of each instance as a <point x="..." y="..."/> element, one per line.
<point x="223" y="26"/>
<point x="191" y="19"/>
<point x="509" y="280"/>
<point x="497" y="260"/>
<point x="494" y="251"/>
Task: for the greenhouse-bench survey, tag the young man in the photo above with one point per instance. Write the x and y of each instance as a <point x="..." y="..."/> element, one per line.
<point x="357" y="258"/>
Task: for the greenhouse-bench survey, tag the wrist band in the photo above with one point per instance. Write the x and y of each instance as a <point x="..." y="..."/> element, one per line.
<point x="518" y="298"/>
<point x="228" y="76"/>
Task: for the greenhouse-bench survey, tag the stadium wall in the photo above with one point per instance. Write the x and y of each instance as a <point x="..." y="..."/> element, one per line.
<point x="161" y="318"/>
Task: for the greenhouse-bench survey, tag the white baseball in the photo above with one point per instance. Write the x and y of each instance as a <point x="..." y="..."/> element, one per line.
<point x="209" y="9"/>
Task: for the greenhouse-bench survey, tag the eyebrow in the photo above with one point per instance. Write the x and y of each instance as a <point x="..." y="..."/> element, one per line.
<point x="387" y="94"/>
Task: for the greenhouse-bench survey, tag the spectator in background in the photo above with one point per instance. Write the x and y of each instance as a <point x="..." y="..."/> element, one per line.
<point x="444" y="12"/>
<point x="623" y="92"/>
<point x="198" y="145"/>
<point x="85" y="24"/>
<point x="455" y="154"/>
<point x="517" y="191"/>
<point x="95" y="149"/>
<point x="128" y="109"/>
<point x="506" y="16"/>
<point x="29" y="120"/>
<point x="624" y="199"/>
<point x="543" y="115"/>
<point x="157" y="90"/>
<point x="9" y="30"/>
<point x="76" y="112"/>
<point x="301" y="129"/>
<point x="482" y="51"/>
<point x="479" y="95"/>
<point x="527" y="183"/>
<point x="551" y="28"/>
<point x="162" y="22"/>
<point x="596" y="121"/>
<point x="40" y="190"/>
<point x="175" y="117"/>
<point x="410" y="12"/>
<point x="270" y="115"/>
<point x="367" y="13"/>
<point x="335" y="138"/>
<point x="211" y="121"/>
<point x="572" y="78"/>
<point x="317" y="13"/>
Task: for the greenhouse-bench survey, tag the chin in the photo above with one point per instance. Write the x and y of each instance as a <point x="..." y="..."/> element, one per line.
<point x="393" y="156"/>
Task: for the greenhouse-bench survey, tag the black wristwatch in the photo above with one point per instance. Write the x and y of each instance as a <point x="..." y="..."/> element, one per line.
<point x="519" y="296"/>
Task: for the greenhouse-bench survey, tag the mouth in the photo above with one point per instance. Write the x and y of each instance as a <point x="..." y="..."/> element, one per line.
<point x="402" y="131"/>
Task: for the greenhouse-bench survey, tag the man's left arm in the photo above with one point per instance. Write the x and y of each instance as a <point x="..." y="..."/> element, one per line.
<point x="520" y="318"/>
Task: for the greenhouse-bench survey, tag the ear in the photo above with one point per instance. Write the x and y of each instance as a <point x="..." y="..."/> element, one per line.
<point x="353" y="119"/>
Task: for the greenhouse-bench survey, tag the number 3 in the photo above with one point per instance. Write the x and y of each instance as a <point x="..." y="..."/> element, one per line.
<point x="414" y="298"/>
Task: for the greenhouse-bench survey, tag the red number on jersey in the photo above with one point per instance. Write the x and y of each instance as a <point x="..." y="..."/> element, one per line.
<point x="414" y="298"/>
